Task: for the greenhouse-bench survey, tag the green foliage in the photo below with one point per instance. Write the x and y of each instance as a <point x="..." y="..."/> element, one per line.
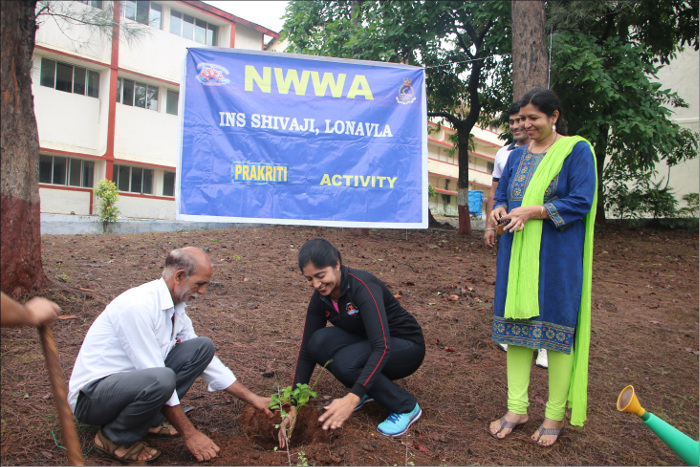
<point x="605" y="57"/>
<point x="299" y="396"/>
<point x="431" y="191"/>
<point x="106" y="191"/>
<point x="301" y="459"/>
<point x="459" y="43"/>
<point x="659" y="202"/>
<point x="692" y="207"/>
<point x="644" y="198"/>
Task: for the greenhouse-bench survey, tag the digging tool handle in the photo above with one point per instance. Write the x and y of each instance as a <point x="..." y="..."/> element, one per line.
<point x="60" y="396"/>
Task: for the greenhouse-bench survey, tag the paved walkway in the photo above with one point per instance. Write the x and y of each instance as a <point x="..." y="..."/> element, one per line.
<point x="64" y="224"/>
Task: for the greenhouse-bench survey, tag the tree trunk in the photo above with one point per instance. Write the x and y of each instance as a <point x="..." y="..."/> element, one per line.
<point x="530" y="64"/>
<point x="465" y="223"/>
<point x="601" y="147"/>
<point x="21" y="270"/>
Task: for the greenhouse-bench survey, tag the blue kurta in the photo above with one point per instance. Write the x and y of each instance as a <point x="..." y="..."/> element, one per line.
<point x="567" y="200"/>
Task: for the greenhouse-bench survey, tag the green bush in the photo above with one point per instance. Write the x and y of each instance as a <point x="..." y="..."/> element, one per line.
<point x="692" y="206"/>
<point x="107" y="193"/>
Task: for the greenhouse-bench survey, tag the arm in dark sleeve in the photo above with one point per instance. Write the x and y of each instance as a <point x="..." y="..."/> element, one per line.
<point x="371" y="305"/>
<point x="315" y="320"/>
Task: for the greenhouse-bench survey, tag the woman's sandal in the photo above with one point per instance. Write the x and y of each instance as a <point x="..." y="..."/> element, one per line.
<point x="132" y="453"/>
<point x="505" y="424"/>
<point x="547" y="432"/>
<point x="164" y="431"/>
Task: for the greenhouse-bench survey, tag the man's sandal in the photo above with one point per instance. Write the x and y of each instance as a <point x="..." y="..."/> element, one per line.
<point x="132" y="453"/>
<point x="505" y="424"/>
<point x="164" y="431"/>
<point x="542" y="431"/>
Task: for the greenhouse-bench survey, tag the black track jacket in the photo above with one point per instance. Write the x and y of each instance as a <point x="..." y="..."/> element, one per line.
<point x="367" y="308"/>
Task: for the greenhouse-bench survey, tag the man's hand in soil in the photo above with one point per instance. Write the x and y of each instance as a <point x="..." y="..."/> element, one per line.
<point x="199" y="444"/>
<point x="260" y="403"/>
<point x="338" y="411"/>
<point x="286" y="427"/>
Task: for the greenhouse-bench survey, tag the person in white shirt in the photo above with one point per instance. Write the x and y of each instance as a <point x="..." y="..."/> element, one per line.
<point x="520" y="138"/>
<point x="140" y="357"/>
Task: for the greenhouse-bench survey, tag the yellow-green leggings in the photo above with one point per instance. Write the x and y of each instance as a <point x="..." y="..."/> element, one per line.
<point x="519" y="363"/>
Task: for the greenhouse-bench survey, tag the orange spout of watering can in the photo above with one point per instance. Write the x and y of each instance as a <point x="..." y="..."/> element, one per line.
<point x="687" y="448"/>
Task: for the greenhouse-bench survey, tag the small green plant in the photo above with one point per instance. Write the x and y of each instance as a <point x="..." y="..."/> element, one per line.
<point x="409" y="455"/>
<point x="302" y="460"/>
<point x="299" y="397"/>
<point x="106" y="191"/>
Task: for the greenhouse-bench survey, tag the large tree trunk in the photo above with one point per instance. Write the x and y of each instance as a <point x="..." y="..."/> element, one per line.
<point x="20" y="221"/>
<point x="530" y="65"/>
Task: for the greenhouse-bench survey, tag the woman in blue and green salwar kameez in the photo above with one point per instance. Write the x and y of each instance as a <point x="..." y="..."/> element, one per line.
<point x="546" y="199"/>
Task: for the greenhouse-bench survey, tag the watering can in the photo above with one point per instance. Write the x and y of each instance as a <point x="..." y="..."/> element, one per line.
<point x="682" y="444"/>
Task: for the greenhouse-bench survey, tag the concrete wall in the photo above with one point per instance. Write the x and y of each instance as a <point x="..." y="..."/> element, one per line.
<point x="681" y="75"/>
<point x="134" y="206"/>
<point x="87" y="42"/>
<point x="146" y="135"/>
<point x="65" y="201"/>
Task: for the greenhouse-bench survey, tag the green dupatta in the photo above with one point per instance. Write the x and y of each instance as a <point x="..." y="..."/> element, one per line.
<point x="522" y="298"/>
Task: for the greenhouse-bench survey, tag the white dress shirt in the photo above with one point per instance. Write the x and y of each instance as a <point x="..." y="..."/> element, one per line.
<point x="136" y="332"/>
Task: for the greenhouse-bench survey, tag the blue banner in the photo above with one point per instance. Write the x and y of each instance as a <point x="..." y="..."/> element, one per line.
<point x="293" y="139"/>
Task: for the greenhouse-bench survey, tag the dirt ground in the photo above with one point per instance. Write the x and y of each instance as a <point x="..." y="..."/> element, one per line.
<point x="644" y="333"/>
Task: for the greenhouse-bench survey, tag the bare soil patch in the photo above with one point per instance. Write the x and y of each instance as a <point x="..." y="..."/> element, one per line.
<point x="645" y="333"/>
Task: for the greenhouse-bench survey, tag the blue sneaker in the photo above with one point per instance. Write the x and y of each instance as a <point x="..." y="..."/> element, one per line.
<point x="398" y="423"/>
<point x="366" y="398"/>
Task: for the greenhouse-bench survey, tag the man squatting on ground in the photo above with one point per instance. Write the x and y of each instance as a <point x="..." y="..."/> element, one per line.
<point x="140" y="357"/>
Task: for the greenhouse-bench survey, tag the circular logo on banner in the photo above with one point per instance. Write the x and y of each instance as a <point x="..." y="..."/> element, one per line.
<point x="406" y="94"/>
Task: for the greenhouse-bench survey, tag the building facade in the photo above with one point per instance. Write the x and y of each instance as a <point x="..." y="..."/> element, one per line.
<point x="681" y="75"/>
<point x="443" y="166"/>
<point x="107" y="105"/>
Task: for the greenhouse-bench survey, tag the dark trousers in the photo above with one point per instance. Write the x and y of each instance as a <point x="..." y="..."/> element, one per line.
<point x="128" y="404"/>
<point x="350" y="353"/>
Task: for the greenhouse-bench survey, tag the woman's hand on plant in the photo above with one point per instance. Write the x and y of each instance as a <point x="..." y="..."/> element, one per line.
<point x="286" y="427"/>
<point x="338" y="411"/>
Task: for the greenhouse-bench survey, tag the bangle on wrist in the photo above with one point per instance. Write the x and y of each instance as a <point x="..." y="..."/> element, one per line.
<point x="490" y="228"/>
<point x="542" y="212"/>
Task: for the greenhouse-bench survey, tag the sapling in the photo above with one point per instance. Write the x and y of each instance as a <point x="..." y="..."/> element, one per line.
<point x="300" y="396"/>
<point x="106" y="191"/>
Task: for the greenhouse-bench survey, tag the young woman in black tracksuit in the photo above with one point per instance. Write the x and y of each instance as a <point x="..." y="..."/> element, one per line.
<point x="372" y="342"/>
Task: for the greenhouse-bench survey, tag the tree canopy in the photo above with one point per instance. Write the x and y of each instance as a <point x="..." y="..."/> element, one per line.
<point x="604" y="60"/>
<point x="459" y="43"/>
<point x="605" y="55"/>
